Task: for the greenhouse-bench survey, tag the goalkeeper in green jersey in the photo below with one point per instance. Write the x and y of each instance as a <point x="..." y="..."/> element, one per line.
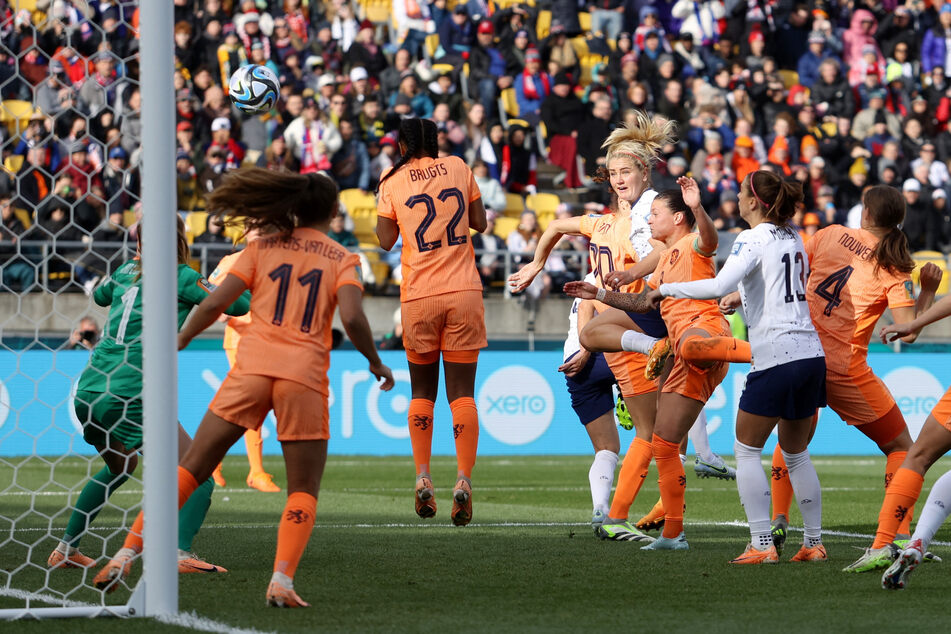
<point x="109" y="405"/>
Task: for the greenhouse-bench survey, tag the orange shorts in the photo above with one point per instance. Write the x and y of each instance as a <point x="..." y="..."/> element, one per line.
<point x="245" y="400"/>
<point x="858" y="398"/>
<point x="694" y="382"/>
<point x="628" y="370"/>
<point x="451" y="321"/>
<point x="942" y="410"/>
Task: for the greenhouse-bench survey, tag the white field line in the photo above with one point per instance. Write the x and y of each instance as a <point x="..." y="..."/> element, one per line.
<point x="185" y="619"/>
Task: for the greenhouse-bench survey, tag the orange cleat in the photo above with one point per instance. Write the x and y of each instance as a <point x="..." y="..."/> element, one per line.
<point x="74" y="559"/>
<point x="263" y="482"/>
<point x="657" y="358"/>
<point x="816" y="553"/>
<point x="461" y="513"/>
<point x="654" y="520"/>
<point x="115" y="571"/>
<point x="218" y="477"/>
<point x="425" y="497"/>
<point x="753" y="556"/>
<point x="279" y="596"/>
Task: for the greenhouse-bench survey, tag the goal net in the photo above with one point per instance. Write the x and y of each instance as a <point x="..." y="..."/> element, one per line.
<point x="72" y="190"/>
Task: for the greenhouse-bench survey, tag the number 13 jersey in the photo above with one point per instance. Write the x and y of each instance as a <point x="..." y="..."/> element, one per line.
<point x="429" y="200"/>
<point x="847" y="296"/>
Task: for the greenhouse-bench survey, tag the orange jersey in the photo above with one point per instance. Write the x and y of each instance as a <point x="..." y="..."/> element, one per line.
<point x="294" y="283"/>
<point x="610" y="248"/>
<point x="429" y="200"/>
<point x="846" y="296"/>
<point x="235" y="324"/>
<point x="682" y="263"/>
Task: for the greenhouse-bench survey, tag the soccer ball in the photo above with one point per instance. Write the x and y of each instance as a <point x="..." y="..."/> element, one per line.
<point x="254" y="89"/>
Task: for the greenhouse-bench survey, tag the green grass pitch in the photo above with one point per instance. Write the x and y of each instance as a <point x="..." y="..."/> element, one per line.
<point x="528" y="563"/>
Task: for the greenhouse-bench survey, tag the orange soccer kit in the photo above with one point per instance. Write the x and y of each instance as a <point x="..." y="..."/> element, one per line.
<point x="284" y="354"/>
<point x="683" y="262"/>
<point x="847" y="296"/>
<point x="441" y="293"/>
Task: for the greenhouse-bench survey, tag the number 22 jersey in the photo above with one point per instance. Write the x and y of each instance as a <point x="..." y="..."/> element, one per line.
<point x="429" y="200"/>
<point x="847" y="296"/>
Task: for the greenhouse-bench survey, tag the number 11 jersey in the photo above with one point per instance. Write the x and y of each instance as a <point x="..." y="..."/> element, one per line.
<point x="429" y="200"/>
<point x="847" y="295"/>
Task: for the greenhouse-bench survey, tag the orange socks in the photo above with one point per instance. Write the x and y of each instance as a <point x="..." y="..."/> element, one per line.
<point x="421" y="432"/>
<point x="186" y="486"/>
<point x="780" y="487"/>
<point x="297" y="523"/>
<point x="699" y="348"/>
<point x="465" y="429"/>
<point x="893" y="462"/>
<point x="632" y="476"/>
<point x="900" y="498"/>
<point x="672" y="481"/>
<point x="253" y="443"/>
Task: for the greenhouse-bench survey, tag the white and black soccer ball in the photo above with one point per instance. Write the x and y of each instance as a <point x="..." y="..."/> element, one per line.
<point x="254" y="89"/>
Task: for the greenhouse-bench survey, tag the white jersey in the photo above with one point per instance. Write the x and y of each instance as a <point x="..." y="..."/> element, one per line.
<point x="768" y="265"/>
<point x="640" y="230"/>
<point x="572" y="343"/>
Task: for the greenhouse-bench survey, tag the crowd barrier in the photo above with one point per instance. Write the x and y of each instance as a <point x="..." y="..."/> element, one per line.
<point x="523" y="405"/>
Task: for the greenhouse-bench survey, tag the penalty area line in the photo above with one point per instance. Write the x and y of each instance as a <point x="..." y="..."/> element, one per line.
<point x="189" y="620"/>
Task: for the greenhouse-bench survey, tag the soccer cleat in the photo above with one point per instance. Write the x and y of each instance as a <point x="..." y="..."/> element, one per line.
<point x="263" y="482"/>
<point x="816" y="553"/>
<point x="279" y="596"/>
<point x="425" y="497"/>
<point x="874" y="559"/>
<point x="755" y="556"/>
<point x="654" y="520"/>
<point x="896" y="576"/>
<point x="116" y="570"/>
<point x="597" y="519"/>
<point x="622" y="532"/>
<point x="716" y="468"/>
<point x="928" y="557"/>
<point x="74" y="559"/>
<point x="779" y="531"/>
<point x="668" y="543"/>
<point x="218" y="477"/>
<point x="657" y="358"/>
<point x="461" y="513"/>
<point x="191" y="563"/>
<point x="623" y="416"/>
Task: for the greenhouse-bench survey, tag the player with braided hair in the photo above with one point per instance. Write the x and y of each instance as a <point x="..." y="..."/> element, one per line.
<point x="434" y="203"/>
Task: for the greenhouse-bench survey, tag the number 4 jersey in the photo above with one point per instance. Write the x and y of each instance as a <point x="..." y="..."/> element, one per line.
<point x="429" y="200"/>
<point x="116" y="363"/>
<point x="294" y="282"/>
<point x="847" y="296"/>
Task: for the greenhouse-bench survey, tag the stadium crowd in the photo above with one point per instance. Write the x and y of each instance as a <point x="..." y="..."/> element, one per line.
<point x="839" y="96"/>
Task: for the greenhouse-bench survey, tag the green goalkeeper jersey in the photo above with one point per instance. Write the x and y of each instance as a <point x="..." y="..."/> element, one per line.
<point x="116" y="363"/>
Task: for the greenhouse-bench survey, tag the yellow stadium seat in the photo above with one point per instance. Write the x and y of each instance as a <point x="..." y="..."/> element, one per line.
<point x="24" y="216"/>
<point x="938" y="259"/>
<point x="542" y="203"/>
<point x="790" y="77"/>
<point x="235" y="233"/>
<point x="13" y="163"/>
<point x="196" y="223"/>
<point x="379" y="11"/>
<point x="505" y="225"/>
<point x="588" y="62"/>
<point x="128" y="218"/>
<point x="580" y="45"/>
<point x="508" y="102"/>
<point x="584" y="19"/>
<point x="543" y="24"/>
<point x="432" y="44"/>
<point x="514" y="204"/>
<point x="16" y="113"/>
<point x="544" y="219"/>
<point x="364" y="226"/>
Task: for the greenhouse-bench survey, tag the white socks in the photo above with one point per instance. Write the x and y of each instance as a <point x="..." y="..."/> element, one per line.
<point x="935" y="511"/>
<point x="805" y="484"/>
<point x="634" y="341"/>
<point x="698" y="436"/>
<point x="753" y="487"/>
<point x="601" y="477"/>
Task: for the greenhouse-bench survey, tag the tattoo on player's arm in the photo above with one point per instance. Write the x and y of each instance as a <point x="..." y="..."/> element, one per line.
<point x="635" y="303"/>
